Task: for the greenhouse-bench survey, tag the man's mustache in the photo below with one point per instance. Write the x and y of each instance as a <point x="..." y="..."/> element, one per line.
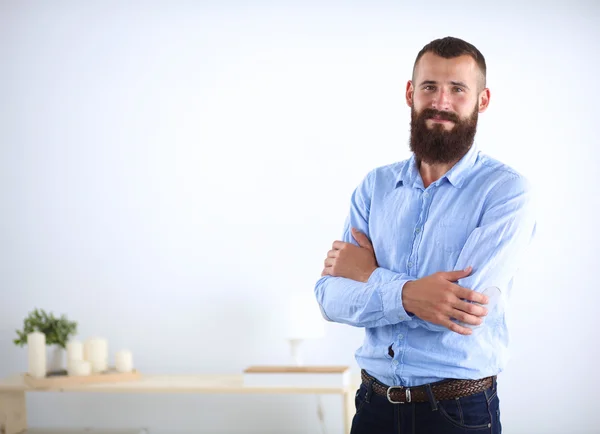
<point x="447" y="116"/>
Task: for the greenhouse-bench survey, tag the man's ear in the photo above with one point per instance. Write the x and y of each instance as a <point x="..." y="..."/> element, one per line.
<point x="410" y="92"/>
<point x="484" y="100"/>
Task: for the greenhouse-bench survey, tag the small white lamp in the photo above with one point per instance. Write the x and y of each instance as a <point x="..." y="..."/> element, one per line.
<point x="304" y="322"/>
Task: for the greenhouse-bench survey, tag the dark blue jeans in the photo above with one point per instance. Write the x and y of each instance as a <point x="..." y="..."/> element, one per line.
<point x="477" y="414"/>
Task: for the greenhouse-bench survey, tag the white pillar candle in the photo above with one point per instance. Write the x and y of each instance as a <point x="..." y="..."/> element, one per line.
<point x="86" y="350"/>
<point x="124" y="361"/>
<point x="74" y="351"/>
<point x="98" y="354"/>
<point x="36" y="352"/>
<point x="79" y="368"/>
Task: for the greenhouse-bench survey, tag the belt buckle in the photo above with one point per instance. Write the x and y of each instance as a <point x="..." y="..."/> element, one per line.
<point x="398" y="387"/>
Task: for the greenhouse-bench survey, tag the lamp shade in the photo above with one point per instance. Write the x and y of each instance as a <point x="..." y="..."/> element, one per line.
<point x="303" y="319"/>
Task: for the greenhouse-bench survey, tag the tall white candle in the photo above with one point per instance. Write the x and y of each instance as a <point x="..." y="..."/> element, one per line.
<point x="124" y="361"/>
<point x="98" y="354"/>
<point x="86" y="350"/>
<point x="74" y="351"/>
<point x="36" y="349"/>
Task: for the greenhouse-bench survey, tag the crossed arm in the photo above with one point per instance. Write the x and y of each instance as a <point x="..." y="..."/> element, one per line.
<point x="354" y="290"/>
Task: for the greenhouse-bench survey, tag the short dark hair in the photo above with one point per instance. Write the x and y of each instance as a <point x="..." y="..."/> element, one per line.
<point x="450" y="47"/>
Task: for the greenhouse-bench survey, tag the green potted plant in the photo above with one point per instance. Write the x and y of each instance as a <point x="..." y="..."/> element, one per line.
<point x="58" y="331"/>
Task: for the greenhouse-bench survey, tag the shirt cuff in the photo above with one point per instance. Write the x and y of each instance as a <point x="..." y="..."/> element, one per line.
<point x="383" y="275"/>
<point x="390" y="286"/>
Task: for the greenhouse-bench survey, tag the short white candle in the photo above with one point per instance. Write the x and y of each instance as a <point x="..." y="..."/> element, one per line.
<point x="74" y="351"/>
<point x="86" y="350"/>
<point x="124" y="361"/>
<point x="79" y="368"/>
<point x="36" y="352"/>
<point x="98" y="354"/>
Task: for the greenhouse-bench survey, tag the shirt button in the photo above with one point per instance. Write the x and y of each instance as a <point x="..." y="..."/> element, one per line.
<point x="395" y="362"/>
<point x="418" y="230"/>
<point x="426" y="194"/>
<point x="400" y="336"/>
<point x="410" y="264"/>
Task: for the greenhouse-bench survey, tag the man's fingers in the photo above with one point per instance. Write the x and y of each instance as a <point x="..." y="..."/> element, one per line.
<point x="361" y="239"/>
<point x="338" y="245"/>
<point x="453" y="276"/>
<point x="326" y="271"/>
<point x="466" y="318"/>
<point x="471" y="309"/>
<point x="333" y="253"/>
<point x="450" y="325"/>
<point x="470" y="295"/>
<point x="329" y="262"/>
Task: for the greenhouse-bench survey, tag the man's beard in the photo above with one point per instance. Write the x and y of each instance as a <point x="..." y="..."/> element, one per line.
<point x="438" y="145"/>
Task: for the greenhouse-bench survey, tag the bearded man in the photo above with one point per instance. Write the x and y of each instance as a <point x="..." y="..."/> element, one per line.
<point x="427" y="260"/>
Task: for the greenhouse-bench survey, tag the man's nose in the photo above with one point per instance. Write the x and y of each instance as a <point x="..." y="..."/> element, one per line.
<point x="441" y="101"/>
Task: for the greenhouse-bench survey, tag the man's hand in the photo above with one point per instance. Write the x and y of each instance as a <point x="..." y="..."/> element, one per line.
<point x="436" y="299"/>
<point x="350" y="261"/>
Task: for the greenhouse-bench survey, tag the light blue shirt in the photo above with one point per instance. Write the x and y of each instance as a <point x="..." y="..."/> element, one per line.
<point x="479" y="213"/>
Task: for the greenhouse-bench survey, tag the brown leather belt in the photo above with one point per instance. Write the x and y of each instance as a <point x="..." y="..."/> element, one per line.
<point x="447" y="389"/>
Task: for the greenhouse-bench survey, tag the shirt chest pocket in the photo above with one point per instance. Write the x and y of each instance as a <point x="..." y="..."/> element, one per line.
<point x="450" y="234"/>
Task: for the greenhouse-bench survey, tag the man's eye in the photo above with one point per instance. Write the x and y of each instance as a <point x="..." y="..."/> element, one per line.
<point x="458" y="89"/>
<point x="428" y="88"/>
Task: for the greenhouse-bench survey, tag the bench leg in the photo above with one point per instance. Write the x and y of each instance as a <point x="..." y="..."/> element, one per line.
<point x="13" y="412"/>
<point x="348" y="403"/>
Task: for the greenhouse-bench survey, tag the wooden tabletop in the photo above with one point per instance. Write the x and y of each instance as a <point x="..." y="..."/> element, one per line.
<point x="209" y="383"/>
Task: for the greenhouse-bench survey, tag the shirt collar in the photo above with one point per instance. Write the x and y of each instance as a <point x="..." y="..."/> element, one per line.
<point x="461" y="170"/>
<point x="409" y="174"/>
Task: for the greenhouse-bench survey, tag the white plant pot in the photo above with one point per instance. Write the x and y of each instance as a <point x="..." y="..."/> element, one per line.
<point x="55" y="358"/>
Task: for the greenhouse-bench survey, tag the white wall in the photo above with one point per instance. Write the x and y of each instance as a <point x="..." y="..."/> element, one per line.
<point x="171" y="170"/>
